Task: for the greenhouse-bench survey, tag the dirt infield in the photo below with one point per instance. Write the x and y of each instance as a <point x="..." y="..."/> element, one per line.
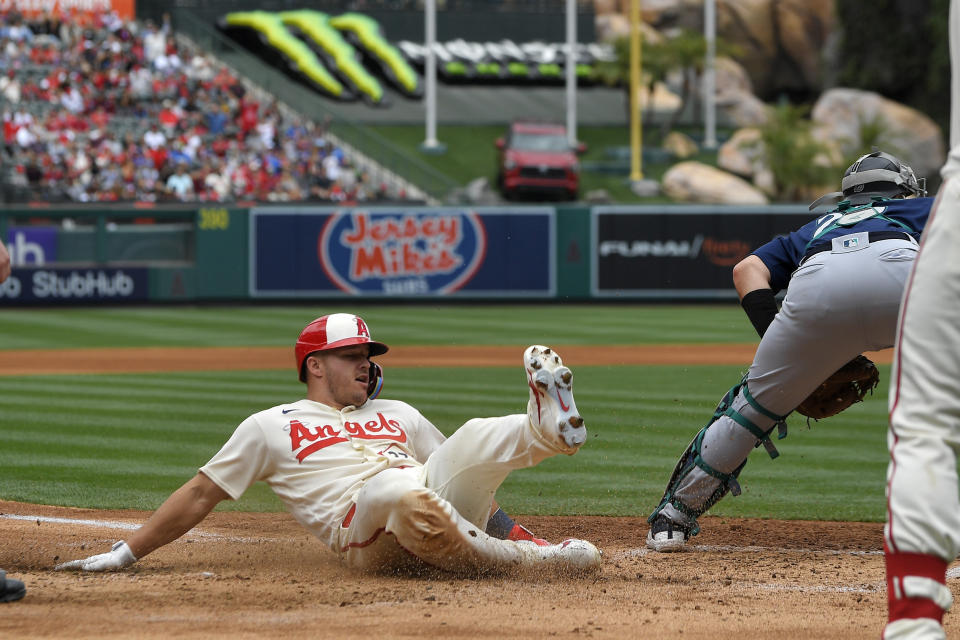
<point x="150" y="359"/>
<point x="243" y="575"/>
<point x="261" y="575"/>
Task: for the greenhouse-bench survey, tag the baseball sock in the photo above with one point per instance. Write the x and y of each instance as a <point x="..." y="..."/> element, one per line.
<point x="916" y="586"/>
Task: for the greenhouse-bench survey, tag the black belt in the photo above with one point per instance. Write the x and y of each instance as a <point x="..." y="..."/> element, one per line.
<point x="874" y="236"/>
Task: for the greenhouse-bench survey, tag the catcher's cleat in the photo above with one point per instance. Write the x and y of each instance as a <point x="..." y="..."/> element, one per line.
<point x="666" y="535"/>
<point x="552" y="411"/>
<point x="572" y="556"/>
<point x="10" y="589"/>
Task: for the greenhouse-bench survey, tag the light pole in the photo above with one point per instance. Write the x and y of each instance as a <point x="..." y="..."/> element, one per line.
<point x="571" y="73"/>
<point x="639" y="186"/>
<point x="430" y="144"/>
<point x="710" y="75"/>
<point x="636" y="135"/>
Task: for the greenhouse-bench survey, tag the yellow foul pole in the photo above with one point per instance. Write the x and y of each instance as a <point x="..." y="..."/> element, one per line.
<point x="636" y="136"/>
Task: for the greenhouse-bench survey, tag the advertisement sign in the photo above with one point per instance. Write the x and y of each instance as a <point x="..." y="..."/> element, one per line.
<point x="31" y="9"/>
<point x="333" y="54"/>
<point x="680" y="252"/>
<point x="31" y="245"/>
<point x="74" y="286"/>
<point x="508" y="61"/>
<point x="402" y="252"/>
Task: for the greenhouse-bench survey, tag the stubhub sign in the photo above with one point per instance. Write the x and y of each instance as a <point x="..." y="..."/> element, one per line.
<point x="26" y="286"/>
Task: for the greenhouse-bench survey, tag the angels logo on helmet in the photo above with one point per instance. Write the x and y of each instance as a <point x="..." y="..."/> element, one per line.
<point x="332" y="332"/>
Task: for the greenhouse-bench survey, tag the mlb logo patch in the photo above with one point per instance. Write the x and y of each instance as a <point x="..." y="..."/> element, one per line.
<point x="850" y="243"/>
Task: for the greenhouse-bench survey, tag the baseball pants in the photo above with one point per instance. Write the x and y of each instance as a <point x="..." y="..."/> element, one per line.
<point x="838" y="305"/>
<point x="924" y="435"/>
<point x="438" y="512"/>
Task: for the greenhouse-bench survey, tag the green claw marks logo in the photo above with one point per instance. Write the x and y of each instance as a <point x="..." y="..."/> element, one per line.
<point x="334" y="54"/>
<point x="323" y="50"/>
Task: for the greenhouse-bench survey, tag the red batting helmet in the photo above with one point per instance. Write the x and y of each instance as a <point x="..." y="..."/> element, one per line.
<point x="332" y="332"/>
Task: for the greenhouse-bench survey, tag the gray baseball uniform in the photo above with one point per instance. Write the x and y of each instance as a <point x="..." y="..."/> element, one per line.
<point x="844" y="272"/>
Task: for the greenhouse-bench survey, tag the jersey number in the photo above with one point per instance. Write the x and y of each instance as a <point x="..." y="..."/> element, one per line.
<point x="845" y="219"/>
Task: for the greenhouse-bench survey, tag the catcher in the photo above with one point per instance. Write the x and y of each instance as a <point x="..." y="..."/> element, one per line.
<point x="845" y="273"/>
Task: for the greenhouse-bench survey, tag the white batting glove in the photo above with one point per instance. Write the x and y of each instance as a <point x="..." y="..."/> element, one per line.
<point x="118" y="557"/>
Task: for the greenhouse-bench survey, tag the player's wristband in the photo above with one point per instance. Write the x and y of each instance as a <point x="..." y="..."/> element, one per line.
<point x="761" y="307"/>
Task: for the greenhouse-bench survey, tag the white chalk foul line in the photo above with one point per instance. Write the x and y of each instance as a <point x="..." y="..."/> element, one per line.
<point x="129" y="526"/>
<point x="106" y="524"/>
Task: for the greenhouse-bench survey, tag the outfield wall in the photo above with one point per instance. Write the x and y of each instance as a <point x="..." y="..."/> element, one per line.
<point x="301" y="252"/>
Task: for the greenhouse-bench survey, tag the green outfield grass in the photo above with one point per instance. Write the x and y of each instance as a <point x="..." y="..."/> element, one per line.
<point x="126" y="441"/>
<point x="401" y="324"/>
<point x="471" y="153"/>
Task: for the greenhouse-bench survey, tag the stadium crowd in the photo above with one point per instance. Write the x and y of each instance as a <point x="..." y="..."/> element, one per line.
<point x="106" y="110"/>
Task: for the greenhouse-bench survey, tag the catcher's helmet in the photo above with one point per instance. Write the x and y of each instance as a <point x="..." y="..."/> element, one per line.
<point x="332" y="332"/>
<point x="875" y="175"/>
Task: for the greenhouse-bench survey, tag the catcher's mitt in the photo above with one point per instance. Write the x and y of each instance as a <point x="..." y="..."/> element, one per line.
<point x="848" y="385"/>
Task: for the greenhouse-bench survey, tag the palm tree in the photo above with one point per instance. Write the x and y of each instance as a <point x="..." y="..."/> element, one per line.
<point x="685" y="51"/>
<point x="798" y="161"/>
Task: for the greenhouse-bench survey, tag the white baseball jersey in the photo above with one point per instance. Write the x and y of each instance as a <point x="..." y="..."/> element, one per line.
<point x="316" y="458"/>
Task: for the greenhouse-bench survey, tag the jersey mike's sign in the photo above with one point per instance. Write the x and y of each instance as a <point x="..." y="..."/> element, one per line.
<point x="407" y="253"/>
<point x="402" y="252"/>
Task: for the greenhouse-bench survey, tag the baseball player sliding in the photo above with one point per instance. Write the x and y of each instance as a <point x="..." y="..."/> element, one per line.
<point x="922" y="534"/>
<point x="373" y="478"/>
<point x="844" y="273"/>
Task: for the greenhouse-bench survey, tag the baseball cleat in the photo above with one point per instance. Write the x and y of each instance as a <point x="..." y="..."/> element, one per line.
<point x="551" y="408"/>
<point x="913" y="628"/>
<point x="10" y="589"/>
<point x="666" y="535"/>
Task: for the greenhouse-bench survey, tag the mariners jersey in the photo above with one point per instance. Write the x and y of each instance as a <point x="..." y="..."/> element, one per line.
<point x="316" y="458"/>
<point x="782" y="254"/>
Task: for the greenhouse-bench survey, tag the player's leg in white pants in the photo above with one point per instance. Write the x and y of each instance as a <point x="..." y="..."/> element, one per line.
<point x="837" y="306"/>
<point x="438" y="512"/>
<point x="922" y="534"/>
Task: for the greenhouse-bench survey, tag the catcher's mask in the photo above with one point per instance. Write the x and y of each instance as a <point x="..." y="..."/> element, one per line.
<point x="876" y="175"/>
<point x="332" y="332"/>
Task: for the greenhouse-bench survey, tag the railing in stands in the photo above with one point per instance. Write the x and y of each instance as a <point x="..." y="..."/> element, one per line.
<point x="439" y="187"/>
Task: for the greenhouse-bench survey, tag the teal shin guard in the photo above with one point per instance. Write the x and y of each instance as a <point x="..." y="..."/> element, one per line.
<point x="711" y="464"/>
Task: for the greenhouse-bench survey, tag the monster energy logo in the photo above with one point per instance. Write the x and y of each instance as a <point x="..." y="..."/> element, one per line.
<point x="507" y="60"/>
<point x="335" y="53"/>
